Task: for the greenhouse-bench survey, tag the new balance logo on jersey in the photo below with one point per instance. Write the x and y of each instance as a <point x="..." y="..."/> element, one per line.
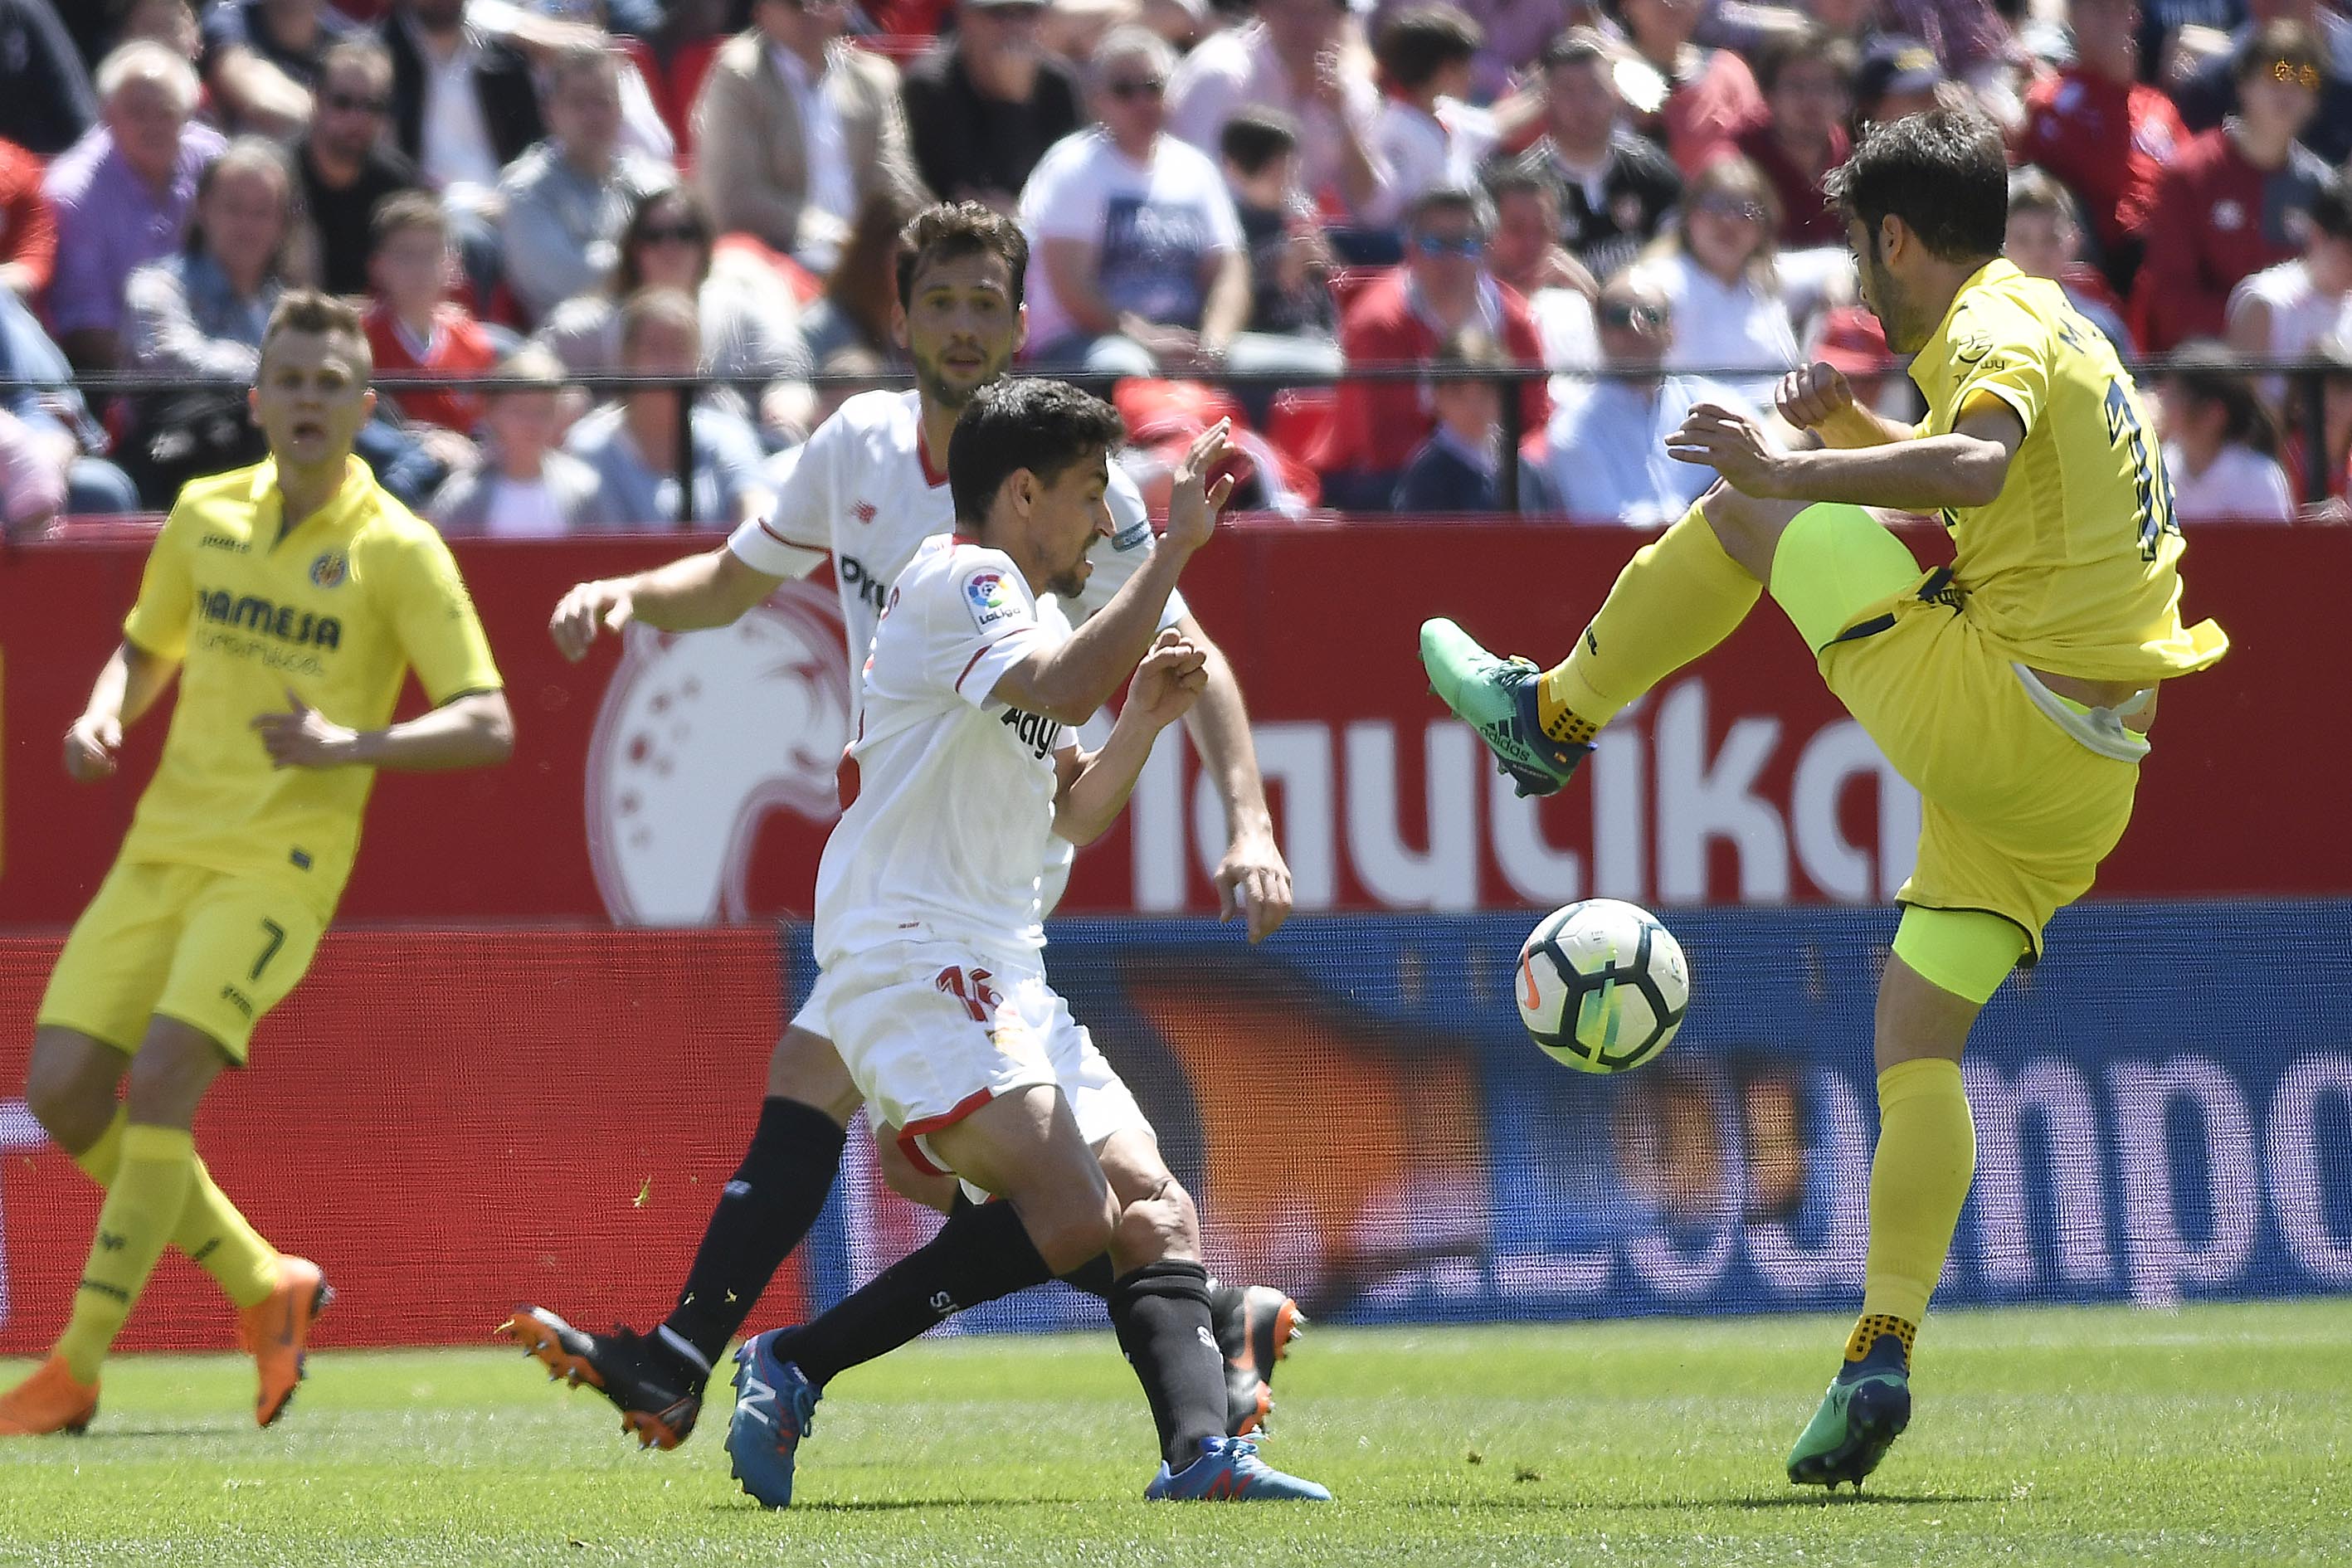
<point x="855" y="577"/>
<point x="863" y="512"/>
<point x="1040" y="734"/>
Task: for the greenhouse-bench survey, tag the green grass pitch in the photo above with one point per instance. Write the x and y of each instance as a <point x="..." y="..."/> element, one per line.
<point x="2213" y="1435"/>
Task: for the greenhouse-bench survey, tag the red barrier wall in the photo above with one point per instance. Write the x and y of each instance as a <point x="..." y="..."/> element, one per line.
<point x="448" y="1122"/>
<point x="708" y="794"/>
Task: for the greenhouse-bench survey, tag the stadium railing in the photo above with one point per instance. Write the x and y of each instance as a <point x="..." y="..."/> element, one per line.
<point x="2308" y="378"/>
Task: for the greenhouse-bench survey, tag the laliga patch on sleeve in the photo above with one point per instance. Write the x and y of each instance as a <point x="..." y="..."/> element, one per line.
<point x="990" y="599"/>
<point x="1133" y="536"/>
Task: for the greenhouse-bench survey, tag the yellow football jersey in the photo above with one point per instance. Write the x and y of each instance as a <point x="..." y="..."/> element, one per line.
<point x="337" y="610"/>
<point x="2074" y="568"/>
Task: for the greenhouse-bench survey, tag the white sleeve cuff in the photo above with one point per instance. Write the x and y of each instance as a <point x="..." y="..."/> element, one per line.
<point x="762" y="549"/>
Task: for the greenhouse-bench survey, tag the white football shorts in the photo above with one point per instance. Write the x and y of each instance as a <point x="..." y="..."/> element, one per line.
<point x="933" y="1031"/>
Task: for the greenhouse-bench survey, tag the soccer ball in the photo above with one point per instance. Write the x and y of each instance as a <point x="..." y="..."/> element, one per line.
<point x="1602" y="985"/>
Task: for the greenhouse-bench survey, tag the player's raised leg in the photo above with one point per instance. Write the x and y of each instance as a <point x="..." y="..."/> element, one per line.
<point x="1678" y="597"/>
<point x="656" y="1380"/>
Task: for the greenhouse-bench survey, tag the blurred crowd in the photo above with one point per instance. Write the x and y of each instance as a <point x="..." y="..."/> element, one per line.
<point x="1530" y="191"/>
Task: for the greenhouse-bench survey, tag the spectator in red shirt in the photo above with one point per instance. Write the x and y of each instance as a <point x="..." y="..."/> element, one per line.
<point x="413" y="326"/>
<point x="2225" y="208"/>
<point x="29" y="230"/>
<point x="1709" y="93"/>
<point x="1442" y="288"/>
<point x="1807" y="77"/>
<point x="2104" y="132"/>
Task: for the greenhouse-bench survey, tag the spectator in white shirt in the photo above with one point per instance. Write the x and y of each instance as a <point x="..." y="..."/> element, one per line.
<point x="1136" y="263"/>
<point x="2221" y="445"/>
<point x="524" y="486"/>
<point x="794" y="129"/>
<point x="1716" y="267"/>
<point x="463" y="107"/>
<point x="1297" y="57"/>
<point x="568" y="198"/>
<point x="1427" y="136"/>
<point x="2287" y="310"/>
<point x="1604" y="457"/>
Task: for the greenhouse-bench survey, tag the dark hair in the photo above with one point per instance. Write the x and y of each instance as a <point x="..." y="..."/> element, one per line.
<point x="361" y="51"/>
<point x="1512" y="177"/>
<point x="1809" y="42"/>
<point x="953" y="229"/>
<point x="310" y="311"/>
<point x="1415" y="44"/>
<point x="2331" y="207"/>
<point x="2207" y="372"/>
<point x="405" y="210"/>
<point x="1468" y="200"/>
<point x="628" y="276"/>
<point x="1574" y="47"/>
<point x="1255" y="136"/>
<point x="1943" y="173"/>
<point x="1044" y="427"/>
<point x="2280" y="41"/>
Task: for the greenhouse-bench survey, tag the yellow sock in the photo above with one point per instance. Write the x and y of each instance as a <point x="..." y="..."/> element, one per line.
<point x="1919" y="1176"/>
<point x="143" y="1206"/>
<point x="1678" y="597"/>
<point x="212" y="1232"/>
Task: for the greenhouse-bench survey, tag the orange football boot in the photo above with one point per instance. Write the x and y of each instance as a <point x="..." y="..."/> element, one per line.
<point x="51" y="1400"/>
<point x="276" y="1333"/>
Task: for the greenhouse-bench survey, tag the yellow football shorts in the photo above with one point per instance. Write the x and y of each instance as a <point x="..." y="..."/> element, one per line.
<point x="214" y="951"/>
<point x="2017" y="814"/>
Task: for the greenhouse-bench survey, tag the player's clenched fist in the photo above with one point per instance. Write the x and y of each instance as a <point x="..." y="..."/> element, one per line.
<point x="1194" y="502"/>
<point x="92" y="746"/>
<point x="579" y="612"/>
<point x="1811" y="394"/>
<point x="1173" y="674"/>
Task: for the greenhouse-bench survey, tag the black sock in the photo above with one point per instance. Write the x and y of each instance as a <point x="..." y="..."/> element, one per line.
<point x="980" y="1254"/>
<point x="1093" y="1277"/>
<point x="1161" y="1313"/>
<point x="776" y="1194"/>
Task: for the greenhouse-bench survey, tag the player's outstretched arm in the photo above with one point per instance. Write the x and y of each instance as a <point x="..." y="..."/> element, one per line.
<point x="125" y="689"/>
<point x="472" y="731"/>
<point x="1094" y="789"/>
<point x="1077" y="677"/>
<point x="712" y="589"/>
<point x="1253" y="879"/>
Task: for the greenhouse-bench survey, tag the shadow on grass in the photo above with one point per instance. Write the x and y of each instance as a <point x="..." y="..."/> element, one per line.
<point x="1531" y="1504"/>
<point x="1812" y="1499"/>
<point x="900" y="1505"/>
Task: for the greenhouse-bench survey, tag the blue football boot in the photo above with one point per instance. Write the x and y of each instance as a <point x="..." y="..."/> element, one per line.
<point x="1229" y="1470"/>
<point x="775" y="1408"/>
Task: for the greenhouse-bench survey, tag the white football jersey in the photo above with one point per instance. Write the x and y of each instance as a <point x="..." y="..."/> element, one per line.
<point x="863" y="490"/>
<point x="953" y="814"/>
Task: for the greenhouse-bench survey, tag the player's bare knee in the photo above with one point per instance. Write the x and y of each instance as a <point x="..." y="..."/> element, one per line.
<point x="1068" y="1235"/>
<point x="805" y="1068"/>
<point x="1156" y="1229"/>
<point x="175" y="1064"/>
<point x="69" y="1086"/>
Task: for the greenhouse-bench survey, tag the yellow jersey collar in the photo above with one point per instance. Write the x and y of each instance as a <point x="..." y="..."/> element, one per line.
<point x="341" y="512"/>
<point x="1937" y="356"/>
